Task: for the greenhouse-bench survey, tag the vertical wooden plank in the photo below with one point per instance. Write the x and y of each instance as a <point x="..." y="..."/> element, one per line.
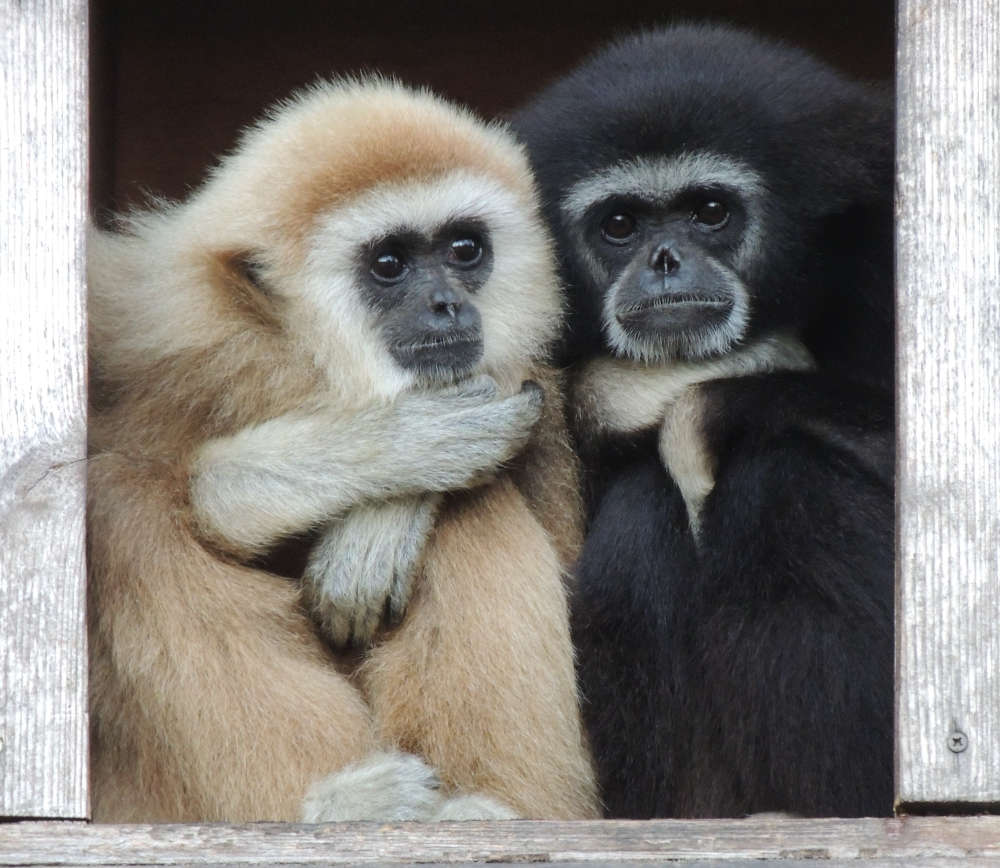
<point x="43" y="103"/>
<point x="948" y="253"/>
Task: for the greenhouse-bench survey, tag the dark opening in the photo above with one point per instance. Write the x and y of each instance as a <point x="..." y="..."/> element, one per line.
<point x="173" y="82"/>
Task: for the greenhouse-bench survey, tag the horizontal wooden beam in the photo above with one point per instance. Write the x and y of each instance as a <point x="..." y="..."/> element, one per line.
<point x="904" y="841"/>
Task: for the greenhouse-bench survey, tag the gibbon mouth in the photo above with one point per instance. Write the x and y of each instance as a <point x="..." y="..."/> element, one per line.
<point x="440" y="353"/>
<point x="678" y="300"/>
<point x="674" y="315"/>
<point x="441" y="342"/>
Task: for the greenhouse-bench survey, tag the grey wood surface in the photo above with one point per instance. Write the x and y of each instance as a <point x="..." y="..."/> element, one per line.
<point x="43" y="106"/>
<point x="906" y="841"/>
<point x="948" y="261"/>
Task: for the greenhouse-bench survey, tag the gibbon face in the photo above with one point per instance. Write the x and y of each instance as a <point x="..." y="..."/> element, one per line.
<point x="380" y="232"/>
<point x="670" y="239"/>
<point x="445" y="276"/>
<point x="422" y="292"/>
<point x="706" y="187"/>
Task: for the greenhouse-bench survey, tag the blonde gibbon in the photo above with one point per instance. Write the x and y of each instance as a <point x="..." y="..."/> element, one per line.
<point x="343" y="332"/>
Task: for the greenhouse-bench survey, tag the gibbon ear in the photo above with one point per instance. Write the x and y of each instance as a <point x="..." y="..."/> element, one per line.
<point x="242" y="280"/>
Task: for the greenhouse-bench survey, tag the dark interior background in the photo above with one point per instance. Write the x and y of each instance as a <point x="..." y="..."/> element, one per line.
<point x="172" y="82"/>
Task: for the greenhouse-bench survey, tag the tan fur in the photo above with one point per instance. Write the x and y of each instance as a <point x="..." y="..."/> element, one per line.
<point x="683" y="453"/>
<point x="212" y="696"/>
<point x="461" y="681"/>
<point x="547" y="473"/>
<point x="378" y="141"/>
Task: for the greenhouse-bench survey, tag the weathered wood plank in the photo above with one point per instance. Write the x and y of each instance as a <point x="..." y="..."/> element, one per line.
<point x="43" y="103"/>
<point x="918" y="862"/>
<point x="901" y="841"/>
<point x="948" y="252"/>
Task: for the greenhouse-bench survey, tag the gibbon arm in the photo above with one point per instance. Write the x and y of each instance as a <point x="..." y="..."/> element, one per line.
<point x="364" y="565"/>
<point x="620" y="396"/>
<point x="299" y="470"/>
<point x="361" y="573"/>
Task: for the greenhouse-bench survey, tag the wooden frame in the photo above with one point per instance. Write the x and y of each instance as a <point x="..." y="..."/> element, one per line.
<point x="948" y="403"/>
<point x="948" y="708"/>
<point x="43" y="438"/>
<point x="911" y="842"/>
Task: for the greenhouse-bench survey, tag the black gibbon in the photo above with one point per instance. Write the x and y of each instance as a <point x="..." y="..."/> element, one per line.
<point x="348" y="319"/>
<point x="722" y="207"/>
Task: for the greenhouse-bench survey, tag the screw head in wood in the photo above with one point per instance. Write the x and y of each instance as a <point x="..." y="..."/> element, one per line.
<point x="958" y="741"/>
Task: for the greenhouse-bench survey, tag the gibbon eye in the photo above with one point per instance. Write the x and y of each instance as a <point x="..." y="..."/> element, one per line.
<point x="712" y="214"/>
<point x="618" y="228"/>
<point x="466" y="251"/>
<point x="388" y="267"/>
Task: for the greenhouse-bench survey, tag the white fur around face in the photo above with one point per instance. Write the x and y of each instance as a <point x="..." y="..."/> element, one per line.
<point x="659" y="180"/>
<point x="703" y="344"/>
<point x="519" y="303"/>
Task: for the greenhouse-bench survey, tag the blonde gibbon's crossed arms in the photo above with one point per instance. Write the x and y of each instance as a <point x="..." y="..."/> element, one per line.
<point x="343" y="332"/>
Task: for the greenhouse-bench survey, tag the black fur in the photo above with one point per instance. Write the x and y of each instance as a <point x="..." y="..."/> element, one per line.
<point x="753" y="671"/>
<point x="823" y="143"/>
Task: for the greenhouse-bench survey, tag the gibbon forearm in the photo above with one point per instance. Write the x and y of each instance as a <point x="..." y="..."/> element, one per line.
<point x="291" y="473"/>
<point x="363" y="566"/>
<point x="620" y="396"/>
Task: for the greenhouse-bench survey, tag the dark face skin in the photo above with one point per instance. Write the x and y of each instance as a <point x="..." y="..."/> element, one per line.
<point x="423" y="291"/>
<point x="667" y="259"/>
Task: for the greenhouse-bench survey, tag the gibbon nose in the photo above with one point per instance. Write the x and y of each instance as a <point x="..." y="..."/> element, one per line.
<point x="664" y="260"/>
<point x="444" y="302"/>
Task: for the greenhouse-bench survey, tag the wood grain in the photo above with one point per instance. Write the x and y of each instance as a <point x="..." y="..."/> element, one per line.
<point x="904" y="841"/>
<point x="948" y="252"/>
<point x="43" y="103"/>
